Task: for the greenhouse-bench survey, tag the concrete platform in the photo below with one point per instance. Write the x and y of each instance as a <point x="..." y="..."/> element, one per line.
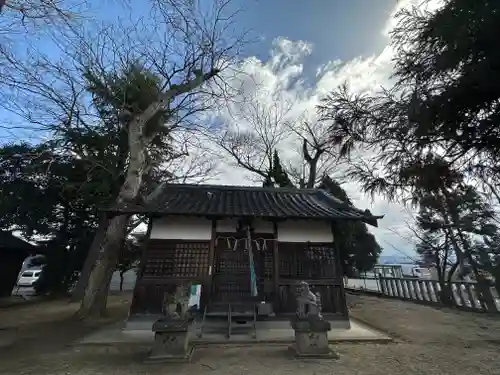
<point x="146" y="321"/>
<point x="270" y="332"/>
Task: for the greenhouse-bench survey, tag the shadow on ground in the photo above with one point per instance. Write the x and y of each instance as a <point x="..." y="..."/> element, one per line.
<point x="31" y="330"/>
<point x="434" y="342"/>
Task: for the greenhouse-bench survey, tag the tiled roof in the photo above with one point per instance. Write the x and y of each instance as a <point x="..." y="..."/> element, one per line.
<point x="242" y="201"/>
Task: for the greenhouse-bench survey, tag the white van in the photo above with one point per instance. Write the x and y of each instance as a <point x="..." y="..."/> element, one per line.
<point x="411" y="270"/>
<point x="29" y="277"/>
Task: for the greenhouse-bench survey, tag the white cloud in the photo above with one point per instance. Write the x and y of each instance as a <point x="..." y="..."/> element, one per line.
<point x="425" y="5"/>
<point x="286" y="52"/>
<point x="280" y="79"/>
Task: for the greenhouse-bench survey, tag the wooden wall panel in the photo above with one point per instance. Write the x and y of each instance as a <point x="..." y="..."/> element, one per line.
<point x="166" y="263"/>
<point x="313" y="261"/>
<point x="176" y="259"/>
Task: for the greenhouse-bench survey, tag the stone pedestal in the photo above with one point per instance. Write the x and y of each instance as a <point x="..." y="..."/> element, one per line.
<point x="171" y="341"/>
<point x="311" y="338"/>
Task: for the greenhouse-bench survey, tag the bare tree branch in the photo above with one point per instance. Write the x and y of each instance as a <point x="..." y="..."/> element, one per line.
<point x="253" y="130"/>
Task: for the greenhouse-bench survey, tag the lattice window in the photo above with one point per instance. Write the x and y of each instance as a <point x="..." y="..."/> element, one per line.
<point x="159" y="264"/>
<point x="191" y="259"/>
<point x="167" y="259"/>
<point x="231" y="260"/>
<point x="304" y="261"/>
<point x="320" y="253"/>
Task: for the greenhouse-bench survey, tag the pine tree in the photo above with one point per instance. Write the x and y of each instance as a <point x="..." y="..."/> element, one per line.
<point x="358" y="248"/>
<point x="452" y="216"/>
<point x="277" y="175"/>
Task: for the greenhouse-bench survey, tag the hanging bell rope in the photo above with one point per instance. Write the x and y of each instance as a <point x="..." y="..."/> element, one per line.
<point x="260" y="244"/>
<point x="263" y="246"/>
<point x="229" y="241"/>
<point x="257" y="244"/>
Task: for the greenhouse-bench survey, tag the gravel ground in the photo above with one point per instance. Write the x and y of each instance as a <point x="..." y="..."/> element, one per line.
<point x="430" y="341"/>
<point x="369" y="359"/>
<point x="422" y="324"/>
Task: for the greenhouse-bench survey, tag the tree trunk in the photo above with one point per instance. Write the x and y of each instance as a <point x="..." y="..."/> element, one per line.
<point x="96" y="291"/>
<point x="483" y="287"/>
<point x="495" y="272"/>
<point x="313" y="164"/>
<point x="452" y="271"/>
<point x="497" y="282"/>
<point x="82" y="281"/>
<point x="95" y="296"/>
<point x="446" y="293"/>
<point x="121" y="281"/>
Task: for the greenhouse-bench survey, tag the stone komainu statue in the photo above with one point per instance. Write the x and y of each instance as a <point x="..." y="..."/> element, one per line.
<point x="308" y="303"/>
<point x="176" y="301"/>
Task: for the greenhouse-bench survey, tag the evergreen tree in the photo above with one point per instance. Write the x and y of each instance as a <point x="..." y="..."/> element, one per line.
<point x="54" y="195"/>
<point x="358" y="248"/>
<point x="46" y="190"/>
<point x="277" y="175"/>
<point x="445" y="100"/>
<point x="488" y="257"/>
<point x="453" y="215"/>
<point x="430" y="252"/>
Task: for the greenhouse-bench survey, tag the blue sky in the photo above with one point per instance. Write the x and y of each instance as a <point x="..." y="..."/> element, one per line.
<point x="339" y="29"/>
<point x="351" y="32"/>
<point x="347" y="32"/>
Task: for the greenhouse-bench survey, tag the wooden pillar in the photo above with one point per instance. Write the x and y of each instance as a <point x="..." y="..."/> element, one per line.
<point x="145" y="247"/>
<point x="207" y="285"/>
<point x="142" y="265"/>
<point x="276" y="266"/>
<point x="339" y="274"/>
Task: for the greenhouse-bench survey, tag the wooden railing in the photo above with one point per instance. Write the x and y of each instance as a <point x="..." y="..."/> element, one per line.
<point x="466" y="295"/>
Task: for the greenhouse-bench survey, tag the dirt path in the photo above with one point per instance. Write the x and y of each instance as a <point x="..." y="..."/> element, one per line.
<point x="432" y="342"/>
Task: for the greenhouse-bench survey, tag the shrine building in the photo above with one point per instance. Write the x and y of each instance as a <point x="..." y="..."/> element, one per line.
<point x="248" y="248"/>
